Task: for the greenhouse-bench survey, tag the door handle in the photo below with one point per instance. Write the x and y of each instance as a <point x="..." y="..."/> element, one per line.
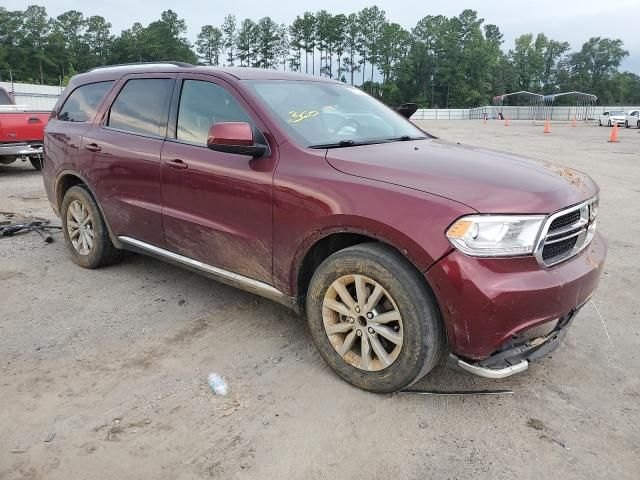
<point x="93" y="147"/>
<point x="177" y="164"/>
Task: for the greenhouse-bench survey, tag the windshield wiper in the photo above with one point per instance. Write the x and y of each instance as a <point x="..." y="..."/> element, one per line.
<point x="347" y="143"/>
<point x="404" y="138"/>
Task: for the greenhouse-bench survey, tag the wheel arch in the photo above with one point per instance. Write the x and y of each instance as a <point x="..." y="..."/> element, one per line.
<point x="69" y="178"/>
<point x="322" y="243"/>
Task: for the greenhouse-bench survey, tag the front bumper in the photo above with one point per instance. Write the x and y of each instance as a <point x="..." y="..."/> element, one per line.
<point x="20" y="149"/>
<point x="515" y="356"/>
<point x="487" y="303"/>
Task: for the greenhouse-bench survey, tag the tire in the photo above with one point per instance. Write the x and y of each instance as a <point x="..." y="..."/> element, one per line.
<point x="36" y="161"/>
<point x="638" y="124"/>
<point x="406" y="297"/>
<point x="101" y="251"/>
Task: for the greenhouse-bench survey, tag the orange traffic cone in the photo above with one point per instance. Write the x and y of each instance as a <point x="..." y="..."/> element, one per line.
<point x="573" y="123"/>
<point x="614" y="133"/>
<point x="547" y="126"/>
<point x="506" y="122"/>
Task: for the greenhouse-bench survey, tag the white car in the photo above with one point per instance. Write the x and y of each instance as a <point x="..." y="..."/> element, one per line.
<point x="612" y="117"/>
<point x="633" y="119"/>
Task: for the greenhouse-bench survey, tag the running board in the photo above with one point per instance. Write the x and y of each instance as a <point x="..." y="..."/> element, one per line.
<point x="219" y="274"/>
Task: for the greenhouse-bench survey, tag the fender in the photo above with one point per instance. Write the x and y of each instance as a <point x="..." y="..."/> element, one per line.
<point x="411" y="250"/>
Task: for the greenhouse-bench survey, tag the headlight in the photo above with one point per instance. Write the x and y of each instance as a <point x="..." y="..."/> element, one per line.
<point x="495" y="235"/>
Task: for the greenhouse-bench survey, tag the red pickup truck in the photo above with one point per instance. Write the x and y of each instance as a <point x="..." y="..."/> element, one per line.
<point x="21" y="132"/>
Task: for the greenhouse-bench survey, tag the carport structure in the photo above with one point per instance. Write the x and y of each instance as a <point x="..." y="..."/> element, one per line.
<point x="535" y="103"/>
<point x="583" y="108"/>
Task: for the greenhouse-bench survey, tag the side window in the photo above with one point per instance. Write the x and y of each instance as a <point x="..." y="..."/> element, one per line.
<point x="201" y="105"/>
<point x="605" y="113"/>
<point x="141" y="106"/>
<point x="83" y="102"/>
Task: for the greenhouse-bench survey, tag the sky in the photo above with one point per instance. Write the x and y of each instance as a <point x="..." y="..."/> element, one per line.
<point x="574" y="21"/>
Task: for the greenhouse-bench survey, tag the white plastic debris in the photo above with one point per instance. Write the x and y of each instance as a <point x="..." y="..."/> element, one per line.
<point x="217" y="384"/>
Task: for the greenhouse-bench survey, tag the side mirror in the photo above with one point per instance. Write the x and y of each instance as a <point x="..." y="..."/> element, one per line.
<point x="407" y="109"/>
<point x="234" y="137"/>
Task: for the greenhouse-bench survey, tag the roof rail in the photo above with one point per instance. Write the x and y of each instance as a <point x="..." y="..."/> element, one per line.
<point x="163" y="63"/>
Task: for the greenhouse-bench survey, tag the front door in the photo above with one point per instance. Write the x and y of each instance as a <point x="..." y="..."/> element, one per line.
<point x="216" y="207"/>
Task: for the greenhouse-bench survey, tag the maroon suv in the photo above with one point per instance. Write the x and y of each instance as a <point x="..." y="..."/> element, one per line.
<point x="397" y="245"/>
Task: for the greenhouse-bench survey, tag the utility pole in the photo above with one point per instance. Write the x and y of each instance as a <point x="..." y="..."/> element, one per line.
<point x="13" y="94"/>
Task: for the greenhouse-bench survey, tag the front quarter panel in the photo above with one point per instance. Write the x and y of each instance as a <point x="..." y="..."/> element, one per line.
<point x="312" y="200"/>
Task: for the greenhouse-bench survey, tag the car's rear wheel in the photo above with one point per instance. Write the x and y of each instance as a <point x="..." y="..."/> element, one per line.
<point x="85" y="232"/>
<point x="374" y="319"/>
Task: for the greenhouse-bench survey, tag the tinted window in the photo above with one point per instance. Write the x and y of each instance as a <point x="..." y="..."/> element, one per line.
<point x="83" y="102"/>
<point x="141" y="106"/>
<point x="203" y="104"/>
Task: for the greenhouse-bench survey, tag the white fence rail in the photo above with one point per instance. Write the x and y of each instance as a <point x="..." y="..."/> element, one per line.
<point x="514" y="112"/>
<point x="34" y="97"/>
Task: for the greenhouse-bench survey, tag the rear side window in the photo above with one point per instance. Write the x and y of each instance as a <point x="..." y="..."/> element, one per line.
<point x="201" y="105"/>
<point x="83" y="102"/>
<point x="141" y="106"/>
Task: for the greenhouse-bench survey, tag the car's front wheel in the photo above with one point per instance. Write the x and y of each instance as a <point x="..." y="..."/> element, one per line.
<point x="374" y="319"/>
<point x="85" y="232"/>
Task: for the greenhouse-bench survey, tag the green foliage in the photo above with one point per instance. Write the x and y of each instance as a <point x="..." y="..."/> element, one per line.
<point x="441" y="62"/>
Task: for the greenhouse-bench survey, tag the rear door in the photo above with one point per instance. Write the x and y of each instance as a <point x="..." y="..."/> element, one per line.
<point x="125" y="146"/>
<point x="217" y="206"/>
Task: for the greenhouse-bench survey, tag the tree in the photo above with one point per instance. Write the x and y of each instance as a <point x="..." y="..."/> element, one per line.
<point x="98" y="39"/>
<point x="209" y="45"/>
<point x="268" y="43"/>
<point x="352" y="45"/>
<point x="372" y="20"/>
<point x="296" y="44"/>
<point x="35" y="30"/>
<point x="308" y="31"/>
<point x="69" y="28"/>
<point x="456" y="61"/>
<point x="230" y="31"/>
<point x="323" y="27"/>
<point x="392" y="47"/>
<point x="247" y="42"/>
<point x="595" y="64"/>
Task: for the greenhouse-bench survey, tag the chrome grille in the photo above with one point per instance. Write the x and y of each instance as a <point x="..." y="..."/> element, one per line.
<point x="567" y="232"/>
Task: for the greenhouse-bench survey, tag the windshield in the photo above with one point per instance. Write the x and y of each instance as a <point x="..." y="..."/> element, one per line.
<point x="320" y="114"/>
<point x="617" y="114"/>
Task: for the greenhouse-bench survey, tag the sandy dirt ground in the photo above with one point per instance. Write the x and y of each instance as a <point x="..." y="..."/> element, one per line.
<point x="103" y="373"/>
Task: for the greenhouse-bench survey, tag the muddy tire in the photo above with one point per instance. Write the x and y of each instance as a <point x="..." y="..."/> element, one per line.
<point x="374" y="319"/>
<point x="36" y="162"/>
<point x="85" y="232"/>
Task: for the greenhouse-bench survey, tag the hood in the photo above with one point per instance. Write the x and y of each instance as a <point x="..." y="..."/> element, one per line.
<point x="485" y="180"/>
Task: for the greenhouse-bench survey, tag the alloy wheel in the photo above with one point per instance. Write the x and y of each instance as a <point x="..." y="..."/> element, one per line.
<point x="362" y="322"/>
<point x="80" y="227"/>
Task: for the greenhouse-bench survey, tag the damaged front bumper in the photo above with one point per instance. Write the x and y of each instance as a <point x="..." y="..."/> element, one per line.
<point x="515" y="356"/>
